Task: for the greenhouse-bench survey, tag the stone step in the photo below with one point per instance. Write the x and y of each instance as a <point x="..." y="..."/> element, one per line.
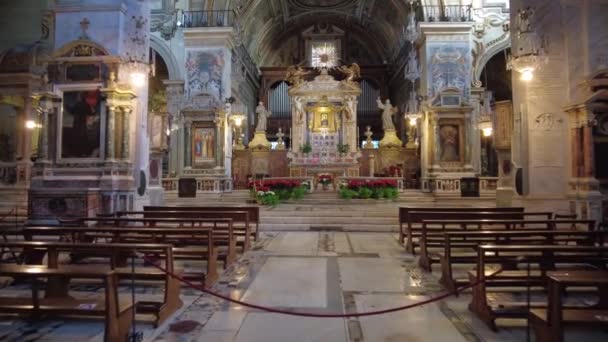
<point x="321" y="220"/>
<point x="344" y="227"/>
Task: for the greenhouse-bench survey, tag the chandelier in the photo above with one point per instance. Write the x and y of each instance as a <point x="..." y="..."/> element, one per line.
<point x="485" y="119"/>
<point x="412" y="70"/>
<point x="530" y="54"/>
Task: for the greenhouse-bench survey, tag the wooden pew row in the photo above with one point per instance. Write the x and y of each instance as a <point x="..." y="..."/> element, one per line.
<point x="117" y="253"/>
<point x="545" y="257"/>
<point x="226" y="236"/>
<point x="433" y="231"/>
<point x="548" y="324"/>
<point x="415" y="218"/>
<point x="200" y="241"/>
<point x="240" y="221"/>
<point x="254" y="213"/>
<point x="461" y="247"/>
<point x="118" y="314"/>
<point x="405" y="220"/>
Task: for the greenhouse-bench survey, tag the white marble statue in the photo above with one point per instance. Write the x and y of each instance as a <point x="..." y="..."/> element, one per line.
<point x="387" y="114"/>
<point x="299" y="109"/>
<point x="263" y="115"/>
<point x="350" y="109"/>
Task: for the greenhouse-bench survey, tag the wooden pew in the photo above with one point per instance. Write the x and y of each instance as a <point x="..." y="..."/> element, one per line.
<point x="237" y="217"/>
<point x="433" y="231"/>
<point x="254" y="213"/>
<point x="461" y="247"/>
<point x="35" y="251"/>
<point x="548" y="324"/>
<point x="200" y="241"/>
<point x="405" y="220"/>
<point x="224" y="225"/>
<point x="415" y="218"/>
<point x="118" y="314"/>
<point x="544" y="256"/>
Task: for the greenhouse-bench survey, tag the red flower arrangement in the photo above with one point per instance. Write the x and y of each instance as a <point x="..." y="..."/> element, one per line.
<point x="376" y="183"/>
<point x="325" y="179"/>
<point x="274" y="184"/>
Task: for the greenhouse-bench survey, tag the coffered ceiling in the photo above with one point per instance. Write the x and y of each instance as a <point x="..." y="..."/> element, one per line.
<point x="266" y="23"/>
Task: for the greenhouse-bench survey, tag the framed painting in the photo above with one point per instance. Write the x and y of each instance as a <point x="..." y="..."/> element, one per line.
<point x="451" y="141"/>
<point x="203" y="145"/>
<point x="81" y="124"/>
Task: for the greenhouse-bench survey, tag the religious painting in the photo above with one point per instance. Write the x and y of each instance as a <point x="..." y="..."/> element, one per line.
<point x="203" y="145"/>
<point x="81" y="124"/>
<point x="449" y="143"/>
<point x="204" y="70"/>
<point x="449" y="67"/>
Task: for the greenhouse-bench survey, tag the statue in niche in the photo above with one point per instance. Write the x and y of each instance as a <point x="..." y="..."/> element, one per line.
<point x="299" y="109"/>
<point x="448" y="138"/>
<point x="263" y="115"/>
<point x="350" y="109"/>
<point x="324" y="120"/>
<point x="387" y="114"/>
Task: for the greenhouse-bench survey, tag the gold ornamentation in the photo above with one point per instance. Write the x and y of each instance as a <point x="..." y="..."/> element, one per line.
<point x="295" y="74"/>
<point x="352" y="72"/>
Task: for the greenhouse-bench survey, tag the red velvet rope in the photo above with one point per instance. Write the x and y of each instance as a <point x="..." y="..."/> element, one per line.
<point x="310" y="314"/>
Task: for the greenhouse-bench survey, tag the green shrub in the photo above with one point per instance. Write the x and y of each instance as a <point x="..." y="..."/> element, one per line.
<point x="377" y="193"/>
<point x="390" y="193"/>
<point x="284" y="194"/>
<point x="299" y="192"/>
<point x="346" y="193"/>
<point x="365" y="193"/>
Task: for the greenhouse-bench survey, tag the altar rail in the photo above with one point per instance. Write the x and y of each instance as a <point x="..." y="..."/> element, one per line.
<point x="203" y="185"/>
<point x="308" y="181"/>
<point x="400" y="181"/>
<point x="452" y="186"/>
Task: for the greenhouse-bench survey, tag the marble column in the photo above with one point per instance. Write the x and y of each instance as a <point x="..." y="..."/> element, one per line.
<point x="43" y="149"/>
<point x="589" y="160"/>
<point x="126" y="116"/>
<point x="110" y="136"/>
<point x="187" y="145"/>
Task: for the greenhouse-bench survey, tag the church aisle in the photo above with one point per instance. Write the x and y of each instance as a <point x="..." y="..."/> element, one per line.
<point x="329" y="272"/>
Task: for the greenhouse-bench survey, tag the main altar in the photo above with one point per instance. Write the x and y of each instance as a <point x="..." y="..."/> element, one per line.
<point x="324" y="125"/>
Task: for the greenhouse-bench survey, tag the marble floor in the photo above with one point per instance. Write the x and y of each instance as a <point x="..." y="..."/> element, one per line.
<point x="320" y="272"/>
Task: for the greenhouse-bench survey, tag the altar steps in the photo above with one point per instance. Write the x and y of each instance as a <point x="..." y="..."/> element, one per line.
<point x="324" y="210"/>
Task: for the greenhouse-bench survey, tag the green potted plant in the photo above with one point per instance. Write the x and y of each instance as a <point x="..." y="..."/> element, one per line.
<point x="343" y="149"/>
<point x="306" y="148"/>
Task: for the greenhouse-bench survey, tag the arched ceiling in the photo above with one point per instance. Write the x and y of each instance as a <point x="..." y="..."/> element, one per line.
<point x="266" y="23"/>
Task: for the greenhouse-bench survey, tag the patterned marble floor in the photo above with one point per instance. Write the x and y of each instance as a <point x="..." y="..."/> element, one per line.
<point x="322" y="272"/>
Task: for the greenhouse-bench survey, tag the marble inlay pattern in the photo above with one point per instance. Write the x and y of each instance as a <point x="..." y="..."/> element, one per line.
<point x="322" y="272"/>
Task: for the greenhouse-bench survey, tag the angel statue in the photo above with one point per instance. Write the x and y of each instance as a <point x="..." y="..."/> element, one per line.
<point x="352" y="72"/>
<point x="294" y="75"/>
<point x="350" y="109"/>
<point x="298" y="109"/>
<point x="263" y="115"/>
<point x="387" y="114"/>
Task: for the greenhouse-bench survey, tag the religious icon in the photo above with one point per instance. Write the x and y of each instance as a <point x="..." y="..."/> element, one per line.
<point x="448" y="138"/>
<point x="81" y="124"/>
<point x="324" y="120"/>
<point x="203" y="145"/>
